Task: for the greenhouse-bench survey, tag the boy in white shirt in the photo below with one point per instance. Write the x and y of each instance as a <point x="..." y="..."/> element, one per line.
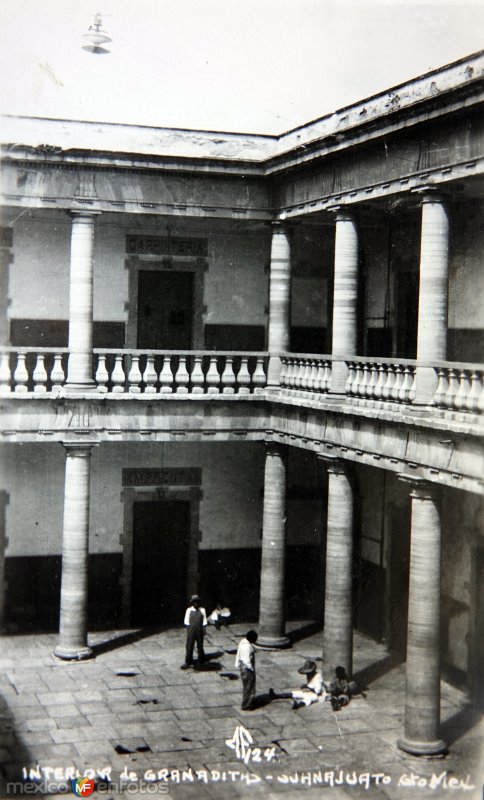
<point x="245" y="660"/>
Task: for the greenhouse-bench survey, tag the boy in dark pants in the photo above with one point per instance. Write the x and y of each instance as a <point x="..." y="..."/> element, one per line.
<point x="195" y="622"/>
<point x="245" y="660"/>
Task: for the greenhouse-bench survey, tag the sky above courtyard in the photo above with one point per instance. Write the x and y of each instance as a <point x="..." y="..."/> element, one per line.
<point x="261" y="66"/>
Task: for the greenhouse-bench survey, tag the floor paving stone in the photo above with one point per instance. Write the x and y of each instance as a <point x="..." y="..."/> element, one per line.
<point x="73" y="714"/>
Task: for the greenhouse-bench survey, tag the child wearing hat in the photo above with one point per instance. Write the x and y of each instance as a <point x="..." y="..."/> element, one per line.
<point x="195" y="622"/>
<point x="312" y="691"/>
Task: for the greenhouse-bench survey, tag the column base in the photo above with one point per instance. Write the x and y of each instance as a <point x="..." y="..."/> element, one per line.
<point x="416" y="748"/>
<point x="273" y="643"/>
<point x="77" y="388"/>
<point x="72" y="653"/>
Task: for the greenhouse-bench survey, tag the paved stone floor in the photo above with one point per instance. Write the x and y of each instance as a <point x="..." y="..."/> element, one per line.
<point x="132" y="710"/>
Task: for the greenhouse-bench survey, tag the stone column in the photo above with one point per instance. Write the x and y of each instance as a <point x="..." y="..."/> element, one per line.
<point x="75" y="553"/>
<point x="279" y="299"/>
<point x="422" y="700"/>
<point x="79" y="374"/>
<point x="272" y="577"/>
<point x="338" y="605"/>
<point x="345" y="296"/>
<point x="433" y="293"/>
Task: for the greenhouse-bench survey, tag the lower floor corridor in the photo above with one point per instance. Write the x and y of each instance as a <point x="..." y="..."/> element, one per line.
<point x="131" y="712"/>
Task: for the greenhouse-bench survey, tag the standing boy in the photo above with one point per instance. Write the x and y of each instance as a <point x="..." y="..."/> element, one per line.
<point x="245" y="660"/>
<point x="195" y="622"/>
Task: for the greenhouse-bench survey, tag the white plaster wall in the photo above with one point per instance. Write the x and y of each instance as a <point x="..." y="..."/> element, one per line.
<point x="466" y="272"/>
<point x="236" y="285"/>
<point x="33" y="475"/>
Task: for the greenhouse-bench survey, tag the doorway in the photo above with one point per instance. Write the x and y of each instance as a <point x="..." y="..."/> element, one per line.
<point x="165" y="310"/>
<point x="161" y="530"/>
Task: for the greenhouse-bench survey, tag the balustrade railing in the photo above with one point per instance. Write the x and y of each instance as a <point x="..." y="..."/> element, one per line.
<point x="305" y="373"/>
<point x="191" y="372"/>
<point x="40" y="370"/>
<point x="460" y="387"/>
<point x="381" y="379"/>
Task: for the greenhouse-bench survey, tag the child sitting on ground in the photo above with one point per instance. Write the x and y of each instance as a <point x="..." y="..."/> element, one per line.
<point x="312" y="691"/>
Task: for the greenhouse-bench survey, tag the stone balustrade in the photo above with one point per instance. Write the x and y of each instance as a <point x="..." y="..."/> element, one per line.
<point x="305" y="373"/>
<point x="182" y="372"/>
<point x="460" y="387"/>
<point x="43" y="371"/>
<point x="381" y="379"/>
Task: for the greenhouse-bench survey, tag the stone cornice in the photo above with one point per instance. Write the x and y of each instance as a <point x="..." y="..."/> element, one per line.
<point x="444" y="91"/>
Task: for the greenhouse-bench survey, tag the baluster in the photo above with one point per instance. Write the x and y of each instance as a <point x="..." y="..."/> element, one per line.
<point x="380" y="381"/>
<point x="453" y="387"/>
<point x="182" y="377"/>
<point x="283" y="373"/>
<point x="150" y="376"/>
<point x="166" y="376"/>
<point x="290" y="373"/>
<point x="319" y="384"/>
<point x="475" y="391"/>
<point x="259" y="377"/>
<point x="350" y="378"/>
<point x="102" y="375"/>
<point x="398" y="382"/>
<point x="134" y="376"/>
<point x="463" y="390"/>
<point x="118" y="377"/>
<point x="371" y="386"/>
<point x="243" y="377"/>
<point x="304" y="374"/>
<point x="57" y="375"/>
<point x="39" y="375"/>
<point x="228" y="377"/>
<point x="411" y="385"/>
<point x="21" y="376"/>
<point x="313" y="377"/>
<point x="365" y="378"/>
<point x="213" y="377"/>
<point x="406" y="385"/>
<point x="5" y="374"/>
<point x="441" y="387"/>
<point x="328" y="374"/>
<point x="197" y="376"/>
<point x="298" y="374"/>
<point x="480" y="402"/>
<point x="357" y="380"/>
<point x="389" y="382"/>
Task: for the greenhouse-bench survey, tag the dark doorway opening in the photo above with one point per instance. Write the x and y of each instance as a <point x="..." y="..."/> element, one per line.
<point x="165" y="310"/>
<point x="160" y="551"/>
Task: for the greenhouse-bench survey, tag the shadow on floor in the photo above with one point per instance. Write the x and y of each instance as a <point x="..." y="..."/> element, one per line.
<point x="308" y="629"/>
<point x="12" y="744"/>
<point x="460" y="723"/>
<point x="123" y="639"/>
<point x="364" y="677"/>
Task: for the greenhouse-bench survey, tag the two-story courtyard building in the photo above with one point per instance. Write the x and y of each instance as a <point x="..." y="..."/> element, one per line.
<point x="251" y="366"/>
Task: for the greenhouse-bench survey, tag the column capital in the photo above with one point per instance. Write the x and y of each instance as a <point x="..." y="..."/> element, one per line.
<point x="77" y="213"/>
<point x="280" y="226"/>
<point x="420" y="488"/>
<point x="79" y="449"/>
<point x="343" y="213"/>
<point x="429" y="193"/>
<point x="333" y="464"/>
<point x="275" y="448"/>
